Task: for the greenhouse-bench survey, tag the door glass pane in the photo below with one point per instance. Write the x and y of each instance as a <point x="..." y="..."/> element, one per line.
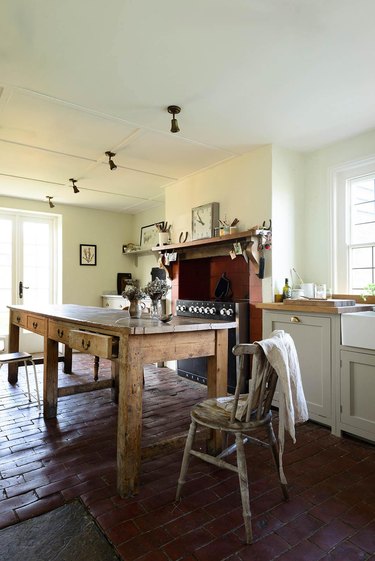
<point x="36" y="263"/>
<point x="5" y="272"/>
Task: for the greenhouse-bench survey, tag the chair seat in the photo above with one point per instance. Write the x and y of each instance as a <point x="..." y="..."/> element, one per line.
<point x="212" y="414"/>
<point x="14" y="357"/>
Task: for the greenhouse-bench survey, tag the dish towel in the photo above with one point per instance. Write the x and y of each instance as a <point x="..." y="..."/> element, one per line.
<point x="281" y="353"/>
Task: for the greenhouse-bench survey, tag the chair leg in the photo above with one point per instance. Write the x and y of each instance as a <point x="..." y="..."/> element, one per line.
<point x="275" y="454"/>
<point x="244" y="487"/>
<point x="36" y="383"/>
<point x="186" y="458"/>
<point x="27" y="380"/>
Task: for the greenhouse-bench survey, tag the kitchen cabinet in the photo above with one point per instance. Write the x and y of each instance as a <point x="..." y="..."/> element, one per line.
<point x="357" y="412"/>
<point x="317" y="340"/>
<point x="114" y="301"/>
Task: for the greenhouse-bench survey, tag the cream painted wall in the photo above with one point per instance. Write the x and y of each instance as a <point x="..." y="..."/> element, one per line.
<point x="242" y="186"/>
<point x="287" y="216"/>
<point x="144" y="263"/>
<point x="108" y="230"/>
<point x="319" y="165"/>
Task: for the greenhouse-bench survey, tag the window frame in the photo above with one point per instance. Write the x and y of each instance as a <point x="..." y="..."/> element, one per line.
<point x="340" y="176"/>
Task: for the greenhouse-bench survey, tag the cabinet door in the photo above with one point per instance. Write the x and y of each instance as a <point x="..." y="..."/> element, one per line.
<point x="357" y="393"/>
<point x="312" y="338"/>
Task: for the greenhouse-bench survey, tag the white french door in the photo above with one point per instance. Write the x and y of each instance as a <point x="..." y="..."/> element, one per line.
<point x="28" y="266"/>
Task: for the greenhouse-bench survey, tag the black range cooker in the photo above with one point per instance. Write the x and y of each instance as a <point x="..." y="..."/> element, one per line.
<point x="196" y="368"/>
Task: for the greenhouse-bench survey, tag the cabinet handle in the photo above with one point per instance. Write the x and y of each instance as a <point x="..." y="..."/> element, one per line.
<point x="295" y="319"/>
<point x="18" y="319"/>
<point x="85" y="346"/>
<point x="60" y="333"/>
<point x="35" y="324"/>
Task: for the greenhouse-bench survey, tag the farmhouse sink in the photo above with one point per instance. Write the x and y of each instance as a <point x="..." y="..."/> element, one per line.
<point x="358" y="330"/>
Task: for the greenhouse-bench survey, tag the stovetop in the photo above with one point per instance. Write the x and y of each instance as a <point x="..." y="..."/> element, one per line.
<point x="207" y="309"/>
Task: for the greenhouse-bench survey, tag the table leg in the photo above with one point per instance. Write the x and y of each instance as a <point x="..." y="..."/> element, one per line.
<point x="50" y="378"/>
<point x="217" y="375"/>
<point x="129" y="430"/>
<point x="14" y="338"/>
<point x="68" y="358"/>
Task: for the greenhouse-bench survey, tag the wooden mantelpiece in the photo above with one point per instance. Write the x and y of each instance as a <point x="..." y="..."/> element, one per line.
<point x="211" y="247"/>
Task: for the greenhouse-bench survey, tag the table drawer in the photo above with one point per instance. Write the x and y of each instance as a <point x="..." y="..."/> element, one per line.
<point x="96" y="344"/>
<point x="19" y="318"/>
<point x="36" y="324"/>
<point x="57" y="332"/>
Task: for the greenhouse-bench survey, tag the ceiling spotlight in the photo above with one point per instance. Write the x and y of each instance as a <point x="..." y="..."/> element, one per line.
<point x="174" y="110"/>
<point x="75" y="188"/>
<point x="111" y="163"/>
<point x="51" y="205"/>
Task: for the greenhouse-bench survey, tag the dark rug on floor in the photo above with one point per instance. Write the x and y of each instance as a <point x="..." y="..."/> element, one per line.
<point x="68" y="533"/>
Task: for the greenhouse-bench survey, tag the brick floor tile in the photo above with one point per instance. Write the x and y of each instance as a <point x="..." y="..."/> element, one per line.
<point x="267" y="548"/>
<point x="219" y="548"/>
<point x="39" y="507"/>
<point x="304" y="551"/>
<point x="365" y="538"/>
<point x="330" y="535"/>
<point x="346" y="551"/>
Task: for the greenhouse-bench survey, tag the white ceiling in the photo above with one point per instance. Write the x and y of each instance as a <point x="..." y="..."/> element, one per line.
<point x="80" y="77"/>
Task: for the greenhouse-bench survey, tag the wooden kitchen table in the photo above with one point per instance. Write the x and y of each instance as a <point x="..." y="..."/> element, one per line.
<point x="130" y="344"/>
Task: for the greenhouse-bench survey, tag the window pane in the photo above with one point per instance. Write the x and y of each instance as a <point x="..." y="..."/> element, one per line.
<point x="363" y="233"/>
<point x="361" y="278"/>
<point x="361" y="257"/>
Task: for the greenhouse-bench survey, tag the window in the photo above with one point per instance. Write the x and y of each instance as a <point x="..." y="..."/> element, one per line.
<point x="362" y="232"/>
<point x="353" y="232"/>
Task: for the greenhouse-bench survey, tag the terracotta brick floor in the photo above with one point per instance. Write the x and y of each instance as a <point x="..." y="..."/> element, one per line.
<point x="44" y="464"/>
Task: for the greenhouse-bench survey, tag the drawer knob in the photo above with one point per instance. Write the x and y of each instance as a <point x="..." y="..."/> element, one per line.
<point x="85" y="346"/>
<point x="35" y="324"/>
<point x="18" y="319"/>
<point x="295" y="319"/>
<point x="60" y="333"/>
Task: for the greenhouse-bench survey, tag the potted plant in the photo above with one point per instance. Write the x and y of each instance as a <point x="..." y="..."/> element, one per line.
<point x="134" y="295"/>
<point x="156" y="290"/>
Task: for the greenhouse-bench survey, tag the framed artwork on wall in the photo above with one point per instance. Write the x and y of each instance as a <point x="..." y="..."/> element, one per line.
<point x="87" y="254"/>
<point x="149" y="236"/>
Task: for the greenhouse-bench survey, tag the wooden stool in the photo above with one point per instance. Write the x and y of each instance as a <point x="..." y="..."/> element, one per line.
<point x="7" y="358"/>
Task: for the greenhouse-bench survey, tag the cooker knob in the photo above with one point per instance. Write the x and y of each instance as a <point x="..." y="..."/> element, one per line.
<point x="183" y="308"/>
<point x="200" y="309"/>
<point x="207" y="310"/>
<point x="212" y="311"/>
<point x="223" y="312"/>
<point x="229" y="312"/>
<point x="191" y="309"/>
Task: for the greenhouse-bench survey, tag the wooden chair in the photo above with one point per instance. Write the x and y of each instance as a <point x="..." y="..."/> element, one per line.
<point x="7" y="358"/>
<point x="220" y="414"/>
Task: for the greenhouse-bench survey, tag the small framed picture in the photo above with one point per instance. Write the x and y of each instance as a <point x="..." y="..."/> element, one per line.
<point x="87" y="254"/>
<point x="149" y="236"/>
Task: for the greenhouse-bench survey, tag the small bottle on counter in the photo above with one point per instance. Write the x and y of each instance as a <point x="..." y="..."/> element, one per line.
<point x="287" y="291"/>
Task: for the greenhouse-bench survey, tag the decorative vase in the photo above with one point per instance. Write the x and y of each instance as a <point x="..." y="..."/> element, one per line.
<point x="155" y="310"/>
<point x="135" y="309"/>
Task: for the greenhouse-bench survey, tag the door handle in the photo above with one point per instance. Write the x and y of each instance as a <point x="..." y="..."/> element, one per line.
<point x="21" y="288"/>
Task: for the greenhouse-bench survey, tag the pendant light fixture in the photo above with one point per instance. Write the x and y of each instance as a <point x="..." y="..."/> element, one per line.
<point x="75" y="188"/>
<point x="51" y="205"/>
<point x="174" y="110"/>
<point x="111" y="163"/>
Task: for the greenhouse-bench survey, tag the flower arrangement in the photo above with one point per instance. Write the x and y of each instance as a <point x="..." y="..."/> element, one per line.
<point x="132" y="292"/>
<point x="156" y="289"/>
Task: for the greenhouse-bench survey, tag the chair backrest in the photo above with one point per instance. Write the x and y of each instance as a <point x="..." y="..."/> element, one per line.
<point x="262" y="383"/>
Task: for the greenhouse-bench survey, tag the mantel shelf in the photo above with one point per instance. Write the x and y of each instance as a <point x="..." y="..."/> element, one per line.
<point x="209" y="242"/>
<point x="138" y="252"/>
